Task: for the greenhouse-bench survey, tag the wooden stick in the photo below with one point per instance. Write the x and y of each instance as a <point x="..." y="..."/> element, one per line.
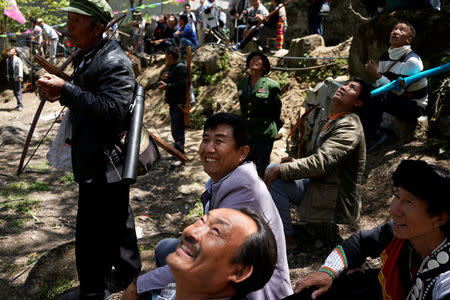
<point x="50" y="68"/>
<point x="187" y="106"/>
<point x="171" y="150"/>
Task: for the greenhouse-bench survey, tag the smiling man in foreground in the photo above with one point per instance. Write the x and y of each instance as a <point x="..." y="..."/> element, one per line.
<point x="225" y="253"/>
<point x="234" y="183"/>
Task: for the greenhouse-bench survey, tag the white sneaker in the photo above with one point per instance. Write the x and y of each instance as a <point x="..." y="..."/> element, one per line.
<point x="177" y="163"/>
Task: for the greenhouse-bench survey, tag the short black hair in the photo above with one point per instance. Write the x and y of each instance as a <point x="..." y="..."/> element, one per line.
<point x="174" y="52"/>
<point x="364" y="95"/>
<point x="184" y="18"/>
<point x="187" y="4"/>
<point x="241" y="132"/>
<point x="428" y="182"/>
<point x="259" y="251"/>
<point x="413" y="30"/>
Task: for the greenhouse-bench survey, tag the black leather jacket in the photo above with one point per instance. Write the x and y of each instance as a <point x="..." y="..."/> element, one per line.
<point x="176" y="83"/>
<point x="99" y="99"/>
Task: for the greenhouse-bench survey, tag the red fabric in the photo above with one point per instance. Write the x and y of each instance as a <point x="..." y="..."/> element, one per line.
<point x="389" y="275"/>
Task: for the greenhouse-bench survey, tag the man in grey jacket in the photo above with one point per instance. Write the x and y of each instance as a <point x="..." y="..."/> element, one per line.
<point x="14" y="71"/>
<point x="234" y="183"/>
<point x="326" y="183"/>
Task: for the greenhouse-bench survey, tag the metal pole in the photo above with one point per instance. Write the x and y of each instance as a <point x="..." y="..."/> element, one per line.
<point x="6" y="37"/>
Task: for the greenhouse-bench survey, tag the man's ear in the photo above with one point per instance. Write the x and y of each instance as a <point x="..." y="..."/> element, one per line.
<point x="442" y="219"/>
<point x="241" y="273"/>
<point x="358" y="103"/>
<point x="244" y="151"/>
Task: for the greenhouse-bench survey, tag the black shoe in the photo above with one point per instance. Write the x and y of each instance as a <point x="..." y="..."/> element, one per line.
<point x="76" y="295"/>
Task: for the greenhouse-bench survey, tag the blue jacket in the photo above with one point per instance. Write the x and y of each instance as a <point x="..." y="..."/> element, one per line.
<point x="188" y="33"/>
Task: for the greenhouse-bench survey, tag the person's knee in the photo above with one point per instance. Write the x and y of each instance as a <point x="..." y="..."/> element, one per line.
<point x="164" y="248"/>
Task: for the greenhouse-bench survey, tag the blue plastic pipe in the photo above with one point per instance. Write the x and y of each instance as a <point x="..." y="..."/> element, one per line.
<point x="400" y="82"/>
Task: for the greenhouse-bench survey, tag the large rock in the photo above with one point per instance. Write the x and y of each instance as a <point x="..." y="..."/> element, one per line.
<point x="305" y="45"/>
<point x="54" y="268"/>
<point x="14" y="133"/>
<point x="151" y="75"/>
<point x="207" y="59"/>
<point x="321" y="95"/>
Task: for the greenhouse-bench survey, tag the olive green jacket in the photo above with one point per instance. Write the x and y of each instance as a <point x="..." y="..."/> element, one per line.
<point x="261" y="108"/>
<point x="335" y="169"/>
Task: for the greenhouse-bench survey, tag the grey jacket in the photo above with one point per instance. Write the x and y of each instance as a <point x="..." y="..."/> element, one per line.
<point x="241" y="188"/>
<point x="17" y="66"/>
<point x="335" y="170"/>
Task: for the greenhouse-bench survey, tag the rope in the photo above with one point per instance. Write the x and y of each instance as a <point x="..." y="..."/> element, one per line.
<point x="303" y="69"/>
<point x="244" y="54"/>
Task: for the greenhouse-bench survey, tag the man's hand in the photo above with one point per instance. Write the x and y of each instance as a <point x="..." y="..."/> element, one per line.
<point x="321" y="280"/>
<point x="271" y="174"/>
<point x="20" y="79"/>
<point x="287" y="159"/>
<point x="177" y="33"/>
<point x="259" y="17"/>
<point x="130" y="293"/>
<point x="162" y="86"/>
<point x="372" y="69"/>
<point x="49" y="87"/>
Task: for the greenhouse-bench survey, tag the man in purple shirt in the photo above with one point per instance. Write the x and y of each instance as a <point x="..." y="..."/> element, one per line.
<point x="234" y="183"/>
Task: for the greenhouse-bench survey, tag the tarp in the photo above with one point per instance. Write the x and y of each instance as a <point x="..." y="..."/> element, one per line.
<point x="12" y="11"/>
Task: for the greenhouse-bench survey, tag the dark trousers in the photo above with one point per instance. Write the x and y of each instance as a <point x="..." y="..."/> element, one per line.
<point x="399" y="106"/>
<point x="314" y="18"/>
<point x="260" y="155"/>
<point x="16" y="86"/>
<point x="105" y="235"/>
<point x="177" y="126"/>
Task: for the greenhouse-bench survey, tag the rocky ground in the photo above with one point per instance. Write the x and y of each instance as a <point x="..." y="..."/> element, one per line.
<point x="38" y="209"/>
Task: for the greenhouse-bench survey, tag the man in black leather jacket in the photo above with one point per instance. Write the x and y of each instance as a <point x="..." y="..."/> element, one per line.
<point x="174" y="82"/>
<point x="99" y="98"/>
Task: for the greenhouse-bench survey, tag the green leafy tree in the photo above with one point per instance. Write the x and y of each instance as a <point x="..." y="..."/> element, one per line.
<point x="48" y="10"/>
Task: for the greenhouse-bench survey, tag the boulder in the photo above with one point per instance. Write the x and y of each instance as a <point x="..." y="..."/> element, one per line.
<point x="207" y="59"/>
<point x="322" y="95"/>
<point x="14" y="133"/>
<point x="305" y="45"/>
<point x="54" y="268"/>
<point x="151" y="75"/>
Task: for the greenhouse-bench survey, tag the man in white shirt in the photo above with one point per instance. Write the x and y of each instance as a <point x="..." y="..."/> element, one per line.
<point x="51" y="39"/>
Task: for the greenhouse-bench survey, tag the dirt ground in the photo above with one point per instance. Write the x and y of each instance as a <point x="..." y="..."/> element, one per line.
<point x="38" y="209"/>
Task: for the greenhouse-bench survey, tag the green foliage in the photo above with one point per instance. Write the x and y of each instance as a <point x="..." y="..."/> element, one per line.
<point x="48" y="10"/>
<point x="200" y="79"/>
<point x="283" y="79"/>
<point x="49" y="292"/>
<point x="25" y="206"/>
<point x="197" y="119"/>
<point x="33" y="257"/>
<point x="195" y="213"/>
<point x="20" y="188"/>
<point x="67" y="179"/>
<point x="320" y="74"/>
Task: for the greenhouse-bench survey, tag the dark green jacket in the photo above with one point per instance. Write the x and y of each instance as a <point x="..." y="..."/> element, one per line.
<point x="176" y="83"/>
<point x="261" y="108"/>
